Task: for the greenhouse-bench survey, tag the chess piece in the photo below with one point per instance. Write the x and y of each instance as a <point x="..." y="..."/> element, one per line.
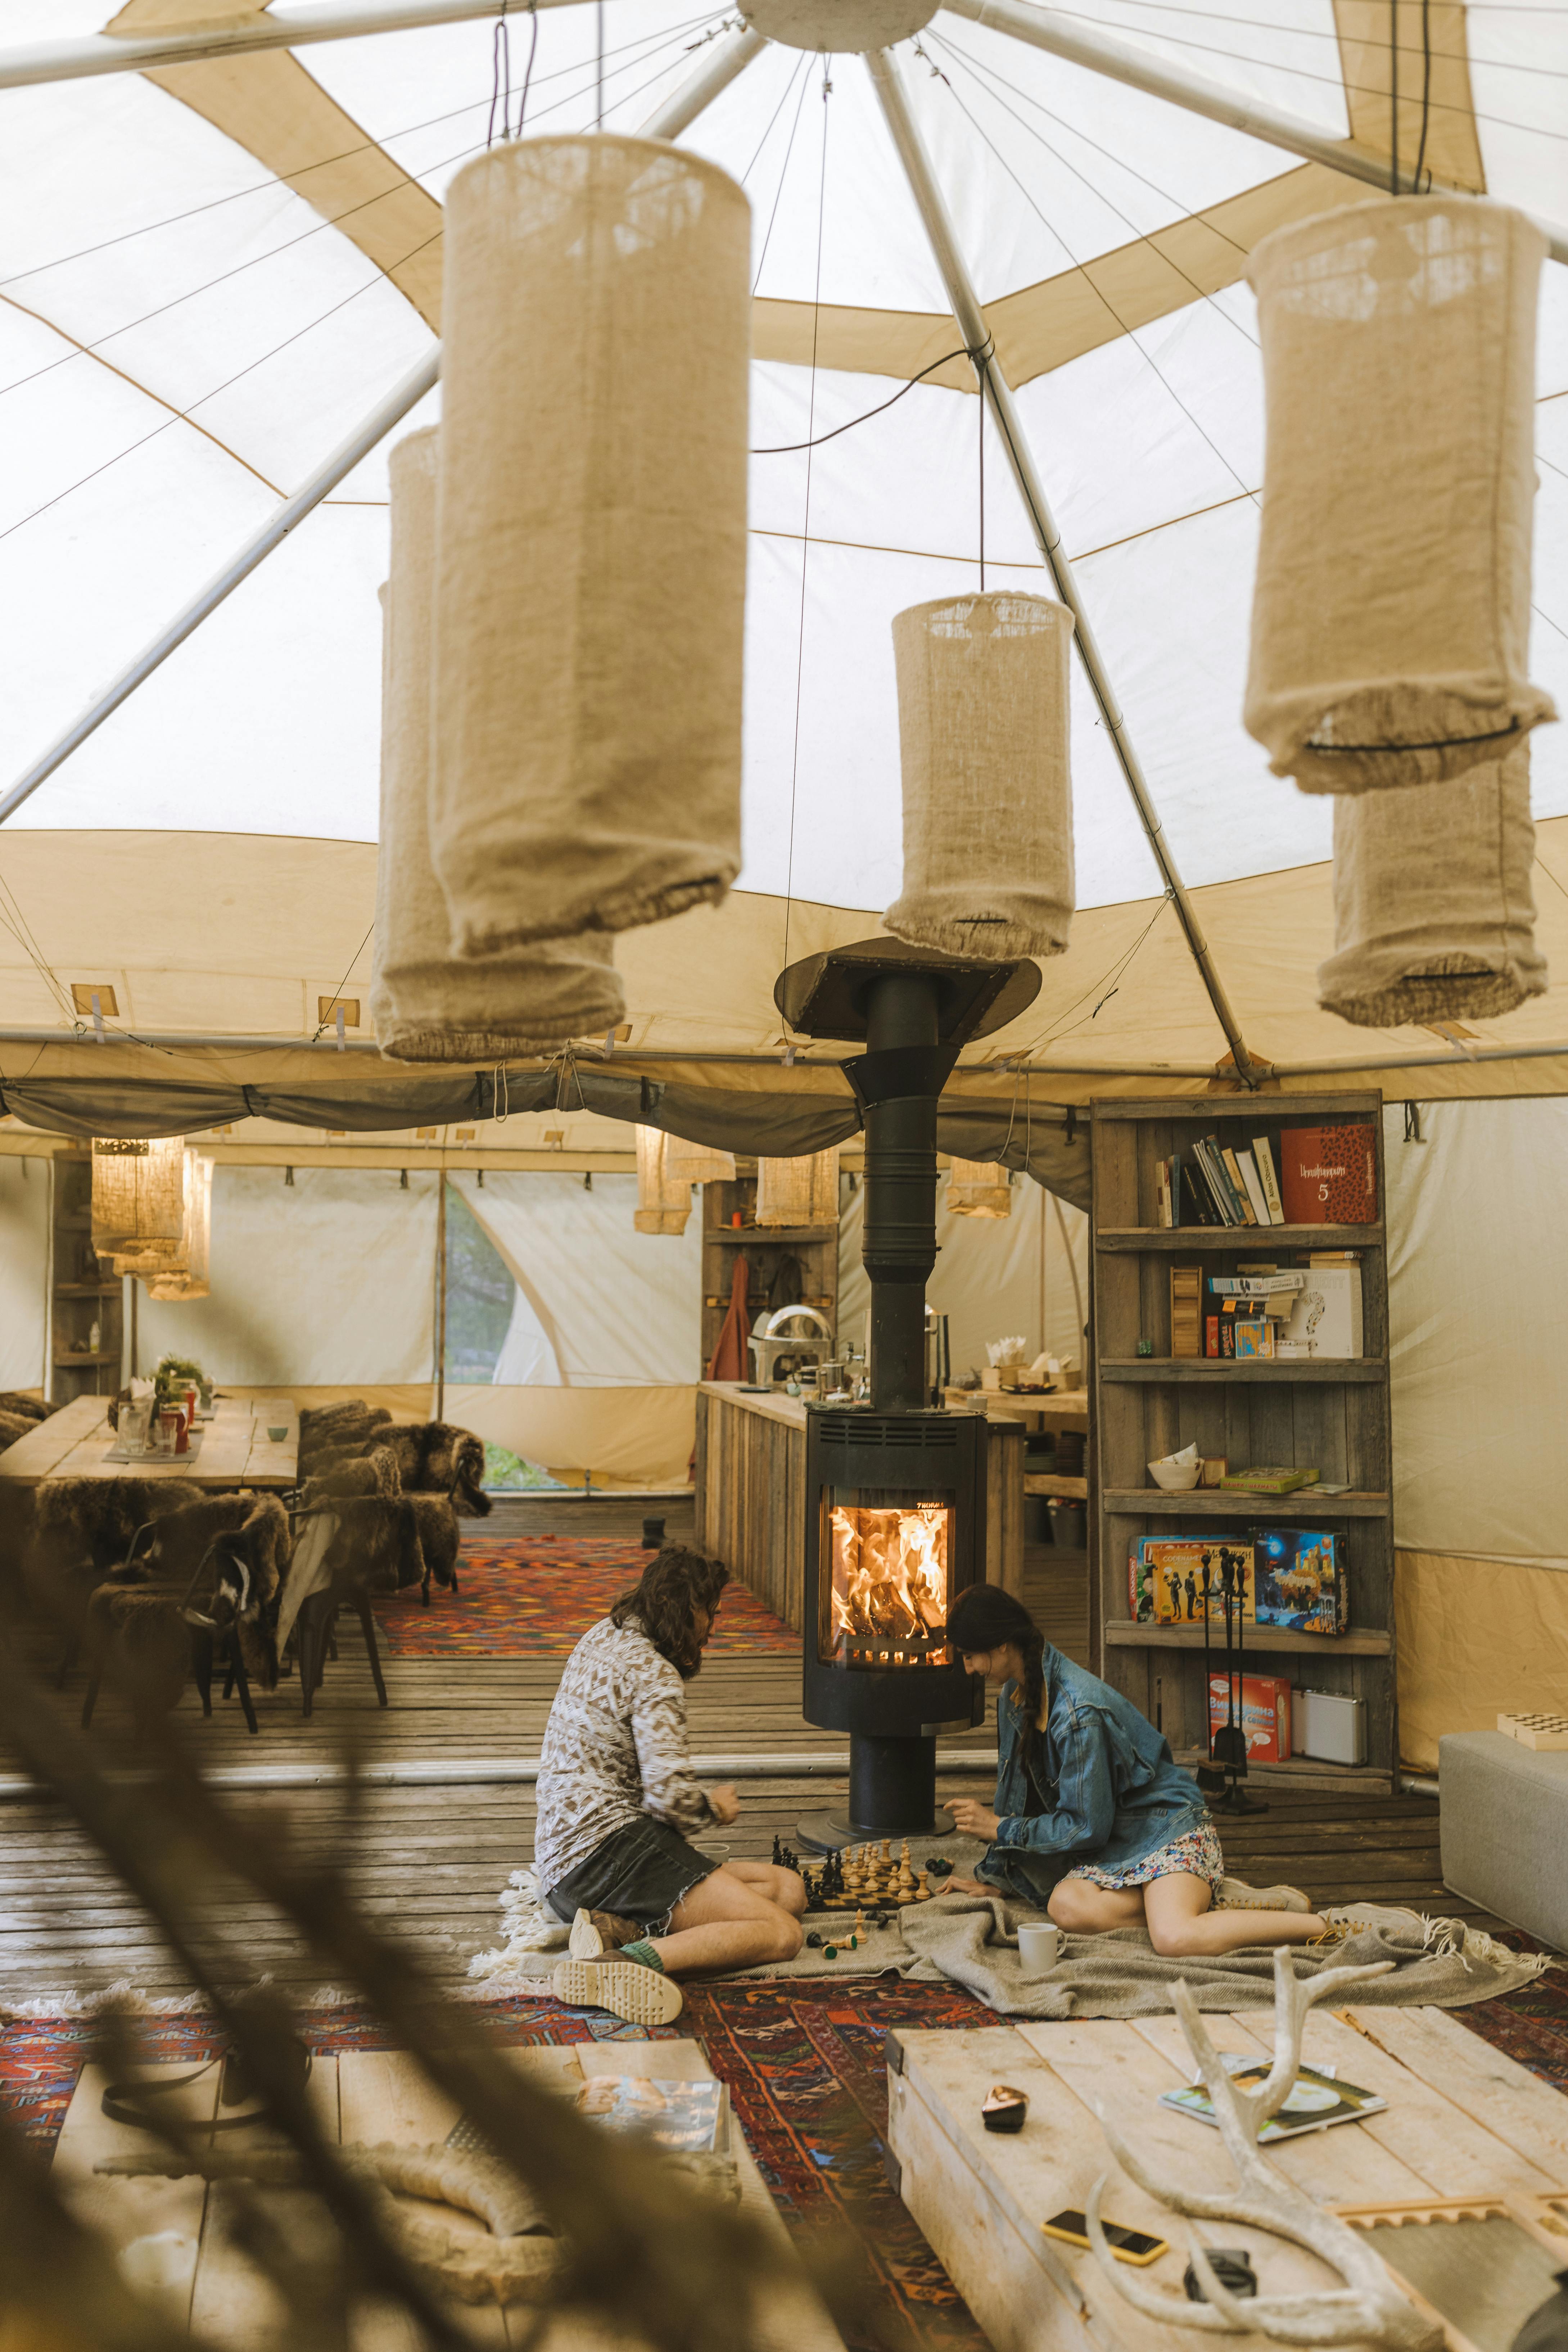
<point x="778" y="1853"/>
<point x="922" y="1888"/>
<point x="859" y="1926"/>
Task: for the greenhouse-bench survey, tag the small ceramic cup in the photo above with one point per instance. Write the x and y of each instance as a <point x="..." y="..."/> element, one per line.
<point x="277" y="1431"/>
<point x="1039" y="1948"/>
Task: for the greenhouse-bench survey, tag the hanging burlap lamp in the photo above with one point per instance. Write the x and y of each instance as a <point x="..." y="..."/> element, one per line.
<point x="803" y="1192"/>
<point x="664" y="1202"/>
<point x="190" y="1276"/>
<point x="983" y="736"/>
<point x="138" y="1192"/>
<point x="426" y="1005"/>
<point x="592" y="565"/>
<point x="697" y="1163"/>
<point x="979" y="1188"/>
<point x="1391" y="614"/>
<point x="1434" y="919"/>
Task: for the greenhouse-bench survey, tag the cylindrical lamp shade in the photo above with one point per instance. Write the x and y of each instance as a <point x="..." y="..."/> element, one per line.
<point x="803" y="1192"/>
<point x="1391" y="613"/>
<point x="138" y="1192"/>
<point x="982" y="735"/>
<point x="697" y="1163"/>
<point x="664" y="1202"/>
<point x="979" y="1188"/>
<point x="1434" y="920"/>
<point x="426" y="1005"/>
<point x="190" y="1276"/>
<point x="592" y="563"/>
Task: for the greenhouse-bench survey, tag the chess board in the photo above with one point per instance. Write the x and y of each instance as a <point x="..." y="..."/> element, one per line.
<point x="1545" y="1732"/>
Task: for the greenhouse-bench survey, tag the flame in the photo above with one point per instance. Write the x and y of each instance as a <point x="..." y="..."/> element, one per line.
<point x="890" y="1571"/>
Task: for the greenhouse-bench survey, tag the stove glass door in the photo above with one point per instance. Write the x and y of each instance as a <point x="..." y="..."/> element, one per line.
<point x="884" y="1579"/>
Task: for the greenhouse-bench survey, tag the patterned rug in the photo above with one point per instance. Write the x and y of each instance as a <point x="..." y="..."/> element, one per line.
<point x="535" y="1596"/>
<point x="806" y="2076"/>
<point x="1531" y="2024"/>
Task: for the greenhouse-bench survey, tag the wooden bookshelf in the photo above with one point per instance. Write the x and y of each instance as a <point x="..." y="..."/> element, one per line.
<point x="1330" y="1414"/>
<point x="815" y="1247"/>
<point x="79" y="1293"/>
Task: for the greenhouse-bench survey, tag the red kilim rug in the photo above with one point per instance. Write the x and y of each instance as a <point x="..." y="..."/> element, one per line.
<point x="806" y="2078"/>
<point x="1531" y="2024"/>
<point x="536" y="1596"/>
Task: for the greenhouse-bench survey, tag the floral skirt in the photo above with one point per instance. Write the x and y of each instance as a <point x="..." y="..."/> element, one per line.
<point x="1195" y="1854"/>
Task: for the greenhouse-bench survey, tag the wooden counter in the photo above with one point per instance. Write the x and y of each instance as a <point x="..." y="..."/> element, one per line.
<point x="751" y="1494"/>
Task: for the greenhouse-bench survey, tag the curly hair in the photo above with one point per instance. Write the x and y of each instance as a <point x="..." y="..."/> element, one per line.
<point x="676" y="1583"/>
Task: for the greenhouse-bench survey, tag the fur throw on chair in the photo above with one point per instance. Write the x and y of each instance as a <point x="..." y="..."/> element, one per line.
<point x="96" y="1518"/>
<point x="435" y="1458"/>
<point x="24" y="1407"/>
<point x="374" y="1472"/>
<point x="140" y="1639"/>
<point x="13" y="1425"/>
<point x="376" y="1547"/>
<point x="440" y="1539"/>
<point x="325" y="1429"/>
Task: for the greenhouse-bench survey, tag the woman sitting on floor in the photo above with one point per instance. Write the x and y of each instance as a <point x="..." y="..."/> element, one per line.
<point x="1093" y="1818"/>
<point x="617" y="1803"/>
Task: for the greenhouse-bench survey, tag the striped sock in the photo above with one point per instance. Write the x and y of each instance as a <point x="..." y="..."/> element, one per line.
<point x="643" y="1953"/>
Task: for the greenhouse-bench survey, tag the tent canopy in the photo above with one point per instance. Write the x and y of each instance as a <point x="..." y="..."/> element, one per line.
<point x="211" y="271"/>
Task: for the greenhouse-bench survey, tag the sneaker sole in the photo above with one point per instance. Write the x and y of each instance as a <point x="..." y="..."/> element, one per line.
<point x="585" y="1943"/>
<point x="641" y="1996"/>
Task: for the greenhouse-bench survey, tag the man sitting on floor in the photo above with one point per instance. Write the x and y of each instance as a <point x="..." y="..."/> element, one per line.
<point x="618" y="1801"/>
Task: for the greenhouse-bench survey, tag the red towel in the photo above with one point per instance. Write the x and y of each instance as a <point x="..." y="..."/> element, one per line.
<point x="730" y="1359"/>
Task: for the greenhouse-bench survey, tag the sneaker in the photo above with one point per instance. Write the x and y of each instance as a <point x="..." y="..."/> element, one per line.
<point x="630" y="1987"/>
<point x="594" y="1932"/>
<point x="1236" y="1895"/>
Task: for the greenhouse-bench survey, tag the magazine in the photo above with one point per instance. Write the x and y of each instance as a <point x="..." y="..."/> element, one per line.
<point x="1316" y="2100"/>
<point x="687" y="2117"/>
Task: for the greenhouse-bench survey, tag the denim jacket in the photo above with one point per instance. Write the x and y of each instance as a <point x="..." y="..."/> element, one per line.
<point x="1117" y="1793"/>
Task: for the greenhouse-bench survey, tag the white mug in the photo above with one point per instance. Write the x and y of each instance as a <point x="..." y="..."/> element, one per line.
<point x="1039" y="1948"/>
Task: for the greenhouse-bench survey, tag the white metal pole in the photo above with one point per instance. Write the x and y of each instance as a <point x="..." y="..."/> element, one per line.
<point x="727" y="60"/>
<point x="1071" y="37"/>
<point x="995" y="387"/>
<point x="279" y="29"/>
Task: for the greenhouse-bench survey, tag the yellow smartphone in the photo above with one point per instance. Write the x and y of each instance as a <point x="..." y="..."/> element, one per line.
<point x="1133" y="2246"/>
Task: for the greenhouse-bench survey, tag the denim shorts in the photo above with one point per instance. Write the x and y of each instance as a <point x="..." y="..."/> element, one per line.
<point x="641" y="1872"/>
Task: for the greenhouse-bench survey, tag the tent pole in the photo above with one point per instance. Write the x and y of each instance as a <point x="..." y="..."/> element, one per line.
<point x="995" y="387"/>
<point x="727" y="59"/>
<point x="441" y="1288"/>
<point x="1071" y="37"/>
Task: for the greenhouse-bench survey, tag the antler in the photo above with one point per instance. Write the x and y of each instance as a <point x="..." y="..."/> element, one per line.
<point x="1368" y="2309"/>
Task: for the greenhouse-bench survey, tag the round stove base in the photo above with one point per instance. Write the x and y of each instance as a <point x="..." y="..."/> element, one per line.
<point x="831" y="1833"/>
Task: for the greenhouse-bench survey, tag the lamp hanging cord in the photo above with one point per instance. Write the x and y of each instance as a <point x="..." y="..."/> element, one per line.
<point x="1393" y="96"/>
<point x="1425" y="94"/>
<point x="501" y="76"/>
<point x="785" y="449"/>
<point x="980" y="365"/>
<point x="528" y="69"/>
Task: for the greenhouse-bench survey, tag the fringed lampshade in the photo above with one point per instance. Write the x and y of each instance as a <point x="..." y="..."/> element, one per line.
<point x="426" y="1005"/>
<point x="591" y="564"/>
<point x="1434" y="919"/>
<point x="983" y="736"/>
<point x="138" y="1192"/>
<point x="664" y="1202"/>
<point x="979" y="1188"/>
<point x="697" y="1163"/>
<point x="801" y="1191"/>
<point x="191" y="1277"/>
<point x="1391" y="615"/>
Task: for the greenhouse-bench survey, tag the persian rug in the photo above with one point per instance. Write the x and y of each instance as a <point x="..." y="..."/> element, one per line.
<point x="1531" y="2024"/>
<point x="536" y="1596"/>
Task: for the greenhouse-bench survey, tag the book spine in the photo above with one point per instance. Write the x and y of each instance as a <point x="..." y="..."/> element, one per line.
<point x="1237" y="1184"/>
<point x="1266" y="1177"/>
<point x="1249" y="1177"/>
<point x="1173" y="1186"/>
<point x="1214" y="1161"/>
<point x="1227" y="1338"/>
<point x="1219" y="1192"/>
<point x="1211" y="1335"/>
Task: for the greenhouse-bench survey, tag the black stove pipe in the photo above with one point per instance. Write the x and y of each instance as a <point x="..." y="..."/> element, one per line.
<point x="899" y="1081"/>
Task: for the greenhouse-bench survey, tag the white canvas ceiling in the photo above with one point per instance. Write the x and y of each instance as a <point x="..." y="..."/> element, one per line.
<point x="209" y="275"/>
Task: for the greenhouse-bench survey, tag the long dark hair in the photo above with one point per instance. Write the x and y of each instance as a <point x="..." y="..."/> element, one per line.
<point x="676" y="1583"/>
<point x="985" y="1617"/>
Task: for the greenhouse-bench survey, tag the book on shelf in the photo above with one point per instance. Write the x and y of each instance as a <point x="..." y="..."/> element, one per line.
<point x="1254" y="1338"/>
<point x="1190" y="1202"/>
<point x="1326" y="1319"/>
<point x="1254" y="1285"/>
<point x="1205" y="1151"/>
<point x="1262" y="1706"/>
<point x="1269" y="1480"/>
<point x="1328" y="1175"/>
<point x="1254" y="1183"/>
<point x="1232" y="1166"/>
<point x="1172" y="1572"/>
<point x="1265" y="1159"/>
<point x="1316" y="2100"/>
<point x="1301" y="1582"/>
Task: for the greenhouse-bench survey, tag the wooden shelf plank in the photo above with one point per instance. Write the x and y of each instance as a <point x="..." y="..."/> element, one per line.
<point x="1045" y="1481"/>
<point x="76" y="1356"/>
<point x="1230" y="1504"/>
<point x="1360" y="1371"/>
<point x="1243" y="1237"/>
<point x="1361" y="1641"/>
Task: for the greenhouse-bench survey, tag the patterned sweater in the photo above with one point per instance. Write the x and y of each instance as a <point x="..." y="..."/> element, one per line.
<point x="615" y="1748"/>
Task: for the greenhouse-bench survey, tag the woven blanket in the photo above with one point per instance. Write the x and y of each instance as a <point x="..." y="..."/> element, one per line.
<point x="536" y="1596"/>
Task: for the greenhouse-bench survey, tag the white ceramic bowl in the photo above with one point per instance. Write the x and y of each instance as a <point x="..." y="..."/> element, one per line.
<point x="1177" y="1477"/>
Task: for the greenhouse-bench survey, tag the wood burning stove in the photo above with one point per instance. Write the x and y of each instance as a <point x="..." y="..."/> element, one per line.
<point x="895" y="1523"/>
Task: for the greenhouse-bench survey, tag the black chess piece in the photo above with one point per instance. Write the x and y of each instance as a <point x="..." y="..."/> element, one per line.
<point x="778" y="1853"/>
<point x="813" y="1941"/>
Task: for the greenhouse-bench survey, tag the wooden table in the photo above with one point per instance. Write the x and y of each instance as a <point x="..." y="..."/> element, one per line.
<point x="1463" y="2122"/>
<point x="235" y="1450"/>
<point x="364" y="2095"/>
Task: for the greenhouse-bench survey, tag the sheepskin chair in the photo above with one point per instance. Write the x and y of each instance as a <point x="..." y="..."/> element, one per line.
<point x="20" y="1406"/>
<point x="375" y="1473"/>
<point x="440" y="1539"/>
<point x="82" y="1528"/>
<point x="437" y="1458"/>
<point x="138" y="1637"/>
<point x="238" y="1617"/>
<point x="181" y="1541"/>
<point x="336" y="1431"/>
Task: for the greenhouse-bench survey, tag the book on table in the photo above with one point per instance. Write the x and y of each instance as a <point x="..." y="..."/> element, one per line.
<point x="1316" y="2100"/>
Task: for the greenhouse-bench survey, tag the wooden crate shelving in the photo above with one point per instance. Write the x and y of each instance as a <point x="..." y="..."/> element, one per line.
<point x="1333" y="1414"/>
<point x="815" y="1246"/>
<point x="81" y="1294"/>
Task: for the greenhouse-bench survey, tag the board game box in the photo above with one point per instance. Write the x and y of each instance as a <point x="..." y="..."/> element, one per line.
<point x="1301" y="1582"/>
<point x="1262" y="1712"/>
<point x="1167" y="1578"/>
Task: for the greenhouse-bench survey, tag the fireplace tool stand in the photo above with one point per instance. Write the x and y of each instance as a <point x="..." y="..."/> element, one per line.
<point x="1221" y="1783"/>
<point x="898" y="1481"/>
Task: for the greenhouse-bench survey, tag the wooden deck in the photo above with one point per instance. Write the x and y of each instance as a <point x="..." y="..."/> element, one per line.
<point x="429" y="1862"/>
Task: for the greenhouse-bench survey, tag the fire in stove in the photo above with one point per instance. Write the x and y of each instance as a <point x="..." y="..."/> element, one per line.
<point x="891" y="1581"/>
